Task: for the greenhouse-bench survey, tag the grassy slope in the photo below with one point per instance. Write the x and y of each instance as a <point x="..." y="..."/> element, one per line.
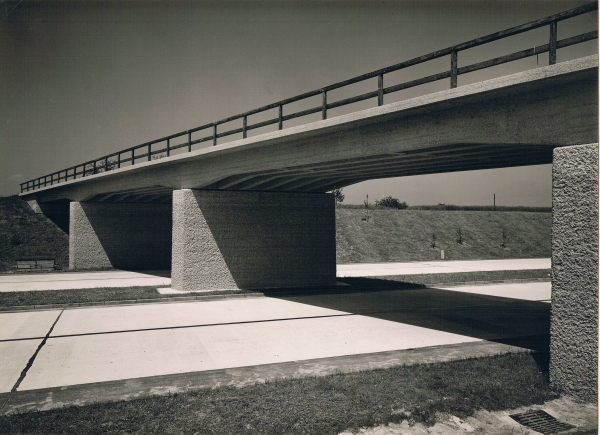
<point x="406" y="235"/>
<point x="391" y="235"/>
<point x="23" y="233"/>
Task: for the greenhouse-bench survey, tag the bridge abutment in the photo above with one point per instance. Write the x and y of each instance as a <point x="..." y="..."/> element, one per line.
<point x="240" y="239"/>
<point x="574" y="317"/>
<point x="131" y="236"/>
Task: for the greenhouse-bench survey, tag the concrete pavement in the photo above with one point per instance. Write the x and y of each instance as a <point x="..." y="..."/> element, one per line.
<point x="77" y="280"/>
<point x="105" y="352"/>
<point x="427" y="267"/>
<point x="121" y="278"/>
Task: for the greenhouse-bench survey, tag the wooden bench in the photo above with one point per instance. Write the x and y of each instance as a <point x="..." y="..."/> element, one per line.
<point x="35" y="264"/>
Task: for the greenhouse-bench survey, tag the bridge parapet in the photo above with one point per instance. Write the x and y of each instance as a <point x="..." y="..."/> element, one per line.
<point x="185" y="140"/>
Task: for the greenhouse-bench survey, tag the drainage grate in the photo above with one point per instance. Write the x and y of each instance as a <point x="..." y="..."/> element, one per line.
<point x="541" y="421"/>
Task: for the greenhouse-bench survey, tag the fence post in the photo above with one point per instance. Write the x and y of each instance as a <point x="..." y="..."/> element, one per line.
<point x="380" y="90"/>
<point x="453" y="69"/>
<point x="324" y="110"/>
<point x="214" y="134"/>
<point x="168" y="147"/>
<point x="132" y="156"/>
<point x="118" y="160"/>
<point x="189" y="141"/>
<point x="552" y="45"/>
<point x="149" y="152"/>
<point x="245" y="127"/>
<point x="280" y="116"/>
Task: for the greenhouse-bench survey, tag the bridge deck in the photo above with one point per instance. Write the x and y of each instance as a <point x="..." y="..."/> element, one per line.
<point x="514" y="120"/>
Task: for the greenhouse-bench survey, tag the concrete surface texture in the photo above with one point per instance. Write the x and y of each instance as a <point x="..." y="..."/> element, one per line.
<point x="131" y="351"/>
<point x="531" y="291"/>
<point x="229" y="240"/>
<point x="528" y="113"/>
<point x="77" y="280"/>
<point x="574" y="321"/>
<point x="101" y="357"/>
<point x="427" y="267"/>
<point x="133" y="236"/>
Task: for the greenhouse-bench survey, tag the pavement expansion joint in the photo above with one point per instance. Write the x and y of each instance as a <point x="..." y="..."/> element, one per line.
<point x="202" y="325"/>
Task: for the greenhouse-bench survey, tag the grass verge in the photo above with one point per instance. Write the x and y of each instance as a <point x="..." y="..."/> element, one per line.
<point x="491" y="276"/>
<point x="323" y="405"/>
<point x="91" y="295"/>
<point x="116" y="294"/>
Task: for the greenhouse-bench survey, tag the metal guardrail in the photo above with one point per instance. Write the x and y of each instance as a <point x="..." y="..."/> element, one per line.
<point x="115" y="160"/>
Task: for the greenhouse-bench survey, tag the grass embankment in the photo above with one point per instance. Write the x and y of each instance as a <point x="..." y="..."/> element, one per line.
<point x="407" y="235"/>
<point x="24" y="233"/>
<point x="96" y="295"/>
<point x="315" y="405"/>
<point x="390" y="235"/>
<point x="149" y="294"/>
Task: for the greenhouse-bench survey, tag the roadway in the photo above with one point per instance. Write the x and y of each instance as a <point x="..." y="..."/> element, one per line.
<point x="121" y="278"/>
<point x="283" y="333"/>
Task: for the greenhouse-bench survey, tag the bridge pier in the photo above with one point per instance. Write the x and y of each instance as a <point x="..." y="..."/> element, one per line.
<point x="240" y="239"/>
<point x="130" y="236"/>
<point x="574" y="317"/>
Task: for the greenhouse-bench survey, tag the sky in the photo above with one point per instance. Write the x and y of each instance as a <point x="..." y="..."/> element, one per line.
<point x="82" y="79"/>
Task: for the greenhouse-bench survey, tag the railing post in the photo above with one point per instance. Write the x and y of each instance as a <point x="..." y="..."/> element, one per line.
<point x="132" y="156"/>
<point x="189" y="141"/>
<point x="105" y="164"/>
<point x="149" y="152"/>
<point x="380" y="90"/>
<point x="454" y="69"/>
<point x="280" y="116"/>
<point x="552" y="45"/>
<point x="95" y="168"/>
<point x="168" y="147"/>
<point x="118" y="160"/>
<point x="214" y="134"/>
<point x="245" y="127"/>
<point x="324" y="105"/>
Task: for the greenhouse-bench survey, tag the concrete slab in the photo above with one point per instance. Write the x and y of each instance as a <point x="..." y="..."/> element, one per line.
<point x="14" y="356"/>
<point x="76" y="280"/>
<point x="427" y="267"/>
<point x="136" y="317"/>
<point x="83" y="394"/>
<point x="108" y="357"/>
<point x="531" y="291"/>
<point x="33" y="324"/>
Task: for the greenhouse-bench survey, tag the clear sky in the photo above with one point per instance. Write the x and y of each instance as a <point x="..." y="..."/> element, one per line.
<point x="82" y="79"/>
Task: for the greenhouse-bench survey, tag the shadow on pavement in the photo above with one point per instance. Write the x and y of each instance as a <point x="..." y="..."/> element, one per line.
<point x="510" y="321"/>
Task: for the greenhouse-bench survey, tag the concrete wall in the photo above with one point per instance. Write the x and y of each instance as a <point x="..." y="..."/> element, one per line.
<point x="129" y="236"/>
<point x="574" y="319"/>
<point x="229" y="240"/>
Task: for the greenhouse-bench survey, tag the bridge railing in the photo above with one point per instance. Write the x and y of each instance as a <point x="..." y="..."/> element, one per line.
<point x="146" y="151"/>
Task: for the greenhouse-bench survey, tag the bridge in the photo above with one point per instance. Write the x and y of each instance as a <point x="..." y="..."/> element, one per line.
<point x="254" y="212"/>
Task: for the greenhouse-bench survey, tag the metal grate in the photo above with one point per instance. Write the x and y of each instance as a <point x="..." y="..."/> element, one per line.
<point x="541" y="421"/>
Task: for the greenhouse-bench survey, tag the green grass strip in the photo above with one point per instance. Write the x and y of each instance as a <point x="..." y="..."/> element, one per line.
<point x="314" y="405"/>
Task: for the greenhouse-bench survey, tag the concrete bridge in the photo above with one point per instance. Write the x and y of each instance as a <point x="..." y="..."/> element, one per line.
<point x="253" y="213"/>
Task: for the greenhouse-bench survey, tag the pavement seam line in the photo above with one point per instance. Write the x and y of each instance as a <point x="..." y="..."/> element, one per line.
<point x="8" y="340"/>
<point x="32" y="359"/>
<point x="124" y="331"/>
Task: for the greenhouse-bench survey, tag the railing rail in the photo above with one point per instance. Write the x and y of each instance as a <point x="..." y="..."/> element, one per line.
<point x="117" y="159"/>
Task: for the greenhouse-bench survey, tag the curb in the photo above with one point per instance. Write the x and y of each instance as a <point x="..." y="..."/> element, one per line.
<point x="130" y="302"/>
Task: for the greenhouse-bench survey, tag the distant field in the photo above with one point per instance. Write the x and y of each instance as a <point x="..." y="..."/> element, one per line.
<point x="407" y="235"/>
<point x="388" y="235"/>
